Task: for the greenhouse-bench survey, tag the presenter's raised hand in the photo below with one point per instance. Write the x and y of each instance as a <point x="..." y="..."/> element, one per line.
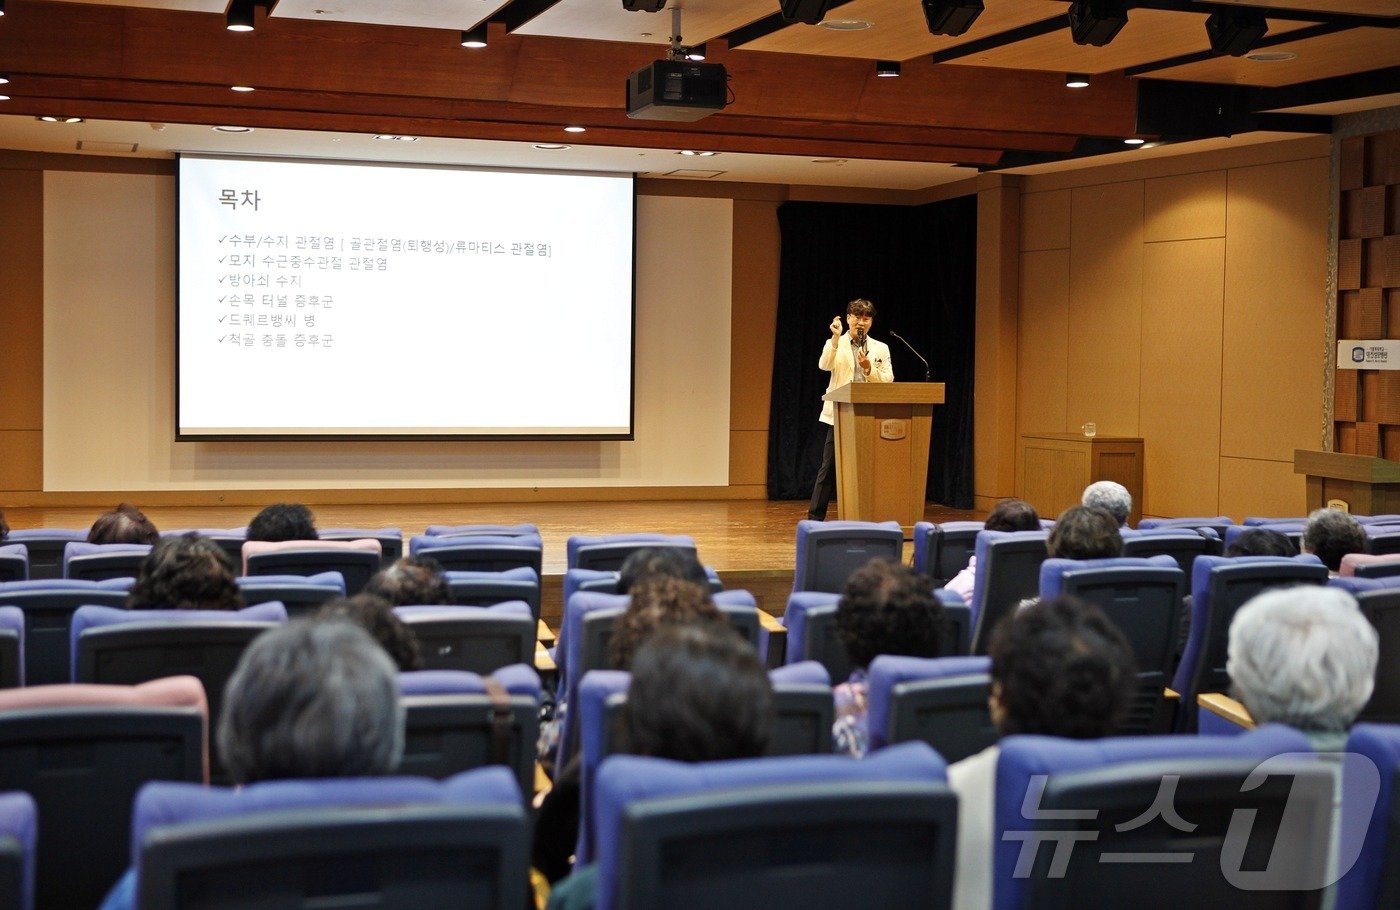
<point x="863" y="360"/>
<point x="836" y="328"/>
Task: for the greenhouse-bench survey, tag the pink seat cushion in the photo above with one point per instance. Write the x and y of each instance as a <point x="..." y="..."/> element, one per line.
<point x="254" y="547"/>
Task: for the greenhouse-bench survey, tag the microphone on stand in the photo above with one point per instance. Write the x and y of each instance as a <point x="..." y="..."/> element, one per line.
<point x="928" y="374"/>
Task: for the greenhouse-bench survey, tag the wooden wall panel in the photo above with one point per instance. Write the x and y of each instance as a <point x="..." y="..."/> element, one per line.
<point x="1359" y="314"/>
<point x="1252" y="487"/>
<point x="21" y="301"/>
<point x="1105" y="312"/>
<point x="754" y="312"/>
<point x="1042" y="375"/>
<point x="748" y="457"/>
<point x="1045" y="220"/>
<point x="1275" y="305"/>
<point x="22" y="461"/>
<point x="1368" y="439"/>
<point x="1344" y="387"/>
<point x="1363" y="212"/>
<point x="1182" y="311"/>
<point x="1373" y="262"/>
<point x="995" y="363"/>
<point x="1352" y="173"/>
<point x="1184" y="207"/>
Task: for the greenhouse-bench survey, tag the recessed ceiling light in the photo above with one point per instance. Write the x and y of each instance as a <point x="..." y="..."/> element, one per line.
<point x="4" y="97"/>
<point x="696" y="154"/>
<point x="1271" y="56"/>
<point x="828" y="160"/>
<point x="575" y="129"/>
<point x="550" y="146"/>
<point x="475" y="37"/>
<point x="241" y="88"/>
<point x="1076" y="80"/>
<point x="886" y="69"/>
<point x="846" y="25"/>
<point x="1134" y="141"/>
<point x="390" y="137"/>
<point x="233" y="129"/>
<point x="4" y="80"/>
<point x="696" y="53"/>
<point x="60" y="119"/>
<point x="240" y="17"/>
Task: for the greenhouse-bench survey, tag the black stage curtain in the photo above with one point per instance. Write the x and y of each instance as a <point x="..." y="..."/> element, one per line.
<point x="918" y="264"/>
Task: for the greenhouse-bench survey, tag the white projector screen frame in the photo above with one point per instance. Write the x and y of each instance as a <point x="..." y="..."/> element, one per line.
<point x="431" y="336"/>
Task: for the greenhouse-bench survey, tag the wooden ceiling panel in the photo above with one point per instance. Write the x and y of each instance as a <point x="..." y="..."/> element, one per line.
<point x="1350" y="7"/>
<point x="899" y="31"/>
<point x="1356" y="50"/>
<point x="606" y="20"/>
<point x="1150" y="35"/>
<point x="449" y="14"/>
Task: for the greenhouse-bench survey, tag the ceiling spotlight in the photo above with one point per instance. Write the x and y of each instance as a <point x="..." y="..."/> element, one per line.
<point x="696" y="54"/>
<point x="1235" y="32"/>
<point x="60" y="119"/>
<point x="1134" y="141"/>
<point x="2" y="7"/>
<point x="1272" y="56"/>
<point x="241" y="88"/>
<point x="951" y="17"/>
<point x="475" y="37"/>
<point x="240" y="16"/>
<point x="4" y="97"/>
<point x="550" y="146"/>
<point x="1076" y="80"/>
<point x="390" y="137"/>
<point x="809" y="12"/>
<point x="886" y="68"/>
<point x="4" y="80"/>
<point x="575" y="129"/>
<point x="232" y="129"/>
<point x="692" y="153"/>
<point x="1097" y="22"/>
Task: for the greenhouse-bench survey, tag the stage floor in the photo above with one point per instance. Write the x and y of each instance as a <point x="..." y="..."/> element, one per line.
<point x="749" y="542"/>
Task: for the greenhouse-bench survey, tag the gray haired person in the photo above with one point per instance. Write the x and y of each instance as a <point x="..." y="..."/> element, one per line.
<point x="1331" y="534"/>
<point x="1306" y="657"/>
<point x="1110" y="496"/>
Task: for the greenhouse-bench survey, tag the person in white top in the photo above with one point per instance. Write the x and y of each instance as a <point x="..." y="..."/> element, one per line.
<point x="850" y="357"/>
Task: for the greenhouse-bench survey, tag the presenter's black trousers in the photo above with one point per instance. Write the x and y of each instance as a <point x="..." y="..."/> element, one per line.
<point x="825" y="487"/>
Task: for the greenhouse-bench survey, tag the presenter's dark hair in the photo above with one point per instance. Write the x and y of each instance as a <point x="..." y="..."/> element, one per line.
<point x="1013" y="515"/>
<point x="124" y="524"/>
<point x="188" y="572"/>
<point x="1262" y="542"/>
<point x="311" y="698"/>
<point x="655" y="603"/>
<point x="283" y="521"/>
<point x="376" y="616"/>
<point x="860" y="307"/>
<point x="1060" y="667"/>
<point x="888" y="608"/>
<point x="1085" y="532"/>
<point x="698" y="693"/>
<point x="412" y="581"/>
<point x="655" y="562"/>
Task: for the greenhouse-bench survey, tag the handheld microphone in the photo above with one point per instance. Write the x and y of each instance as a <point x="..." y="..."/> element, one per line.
<point x="928" y="374"/>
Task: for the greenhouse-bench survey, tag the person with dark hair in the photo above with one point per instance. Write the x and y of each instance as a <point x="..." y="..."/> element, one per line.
<point x="188" y="572"/>
<point x="124" y="524"/>
<point x="376" y="616"/>
<point x="850" y="357"/>
<point x="1007" y="515"/>
<point x="1262" y="542"/>
<point x="657" y="602"/>
<point x="698" y="693"/>
<point x="309" y="699"/>
<point x="1060" y="667"/>
<point x="411" y="581"/>
<point x="1331" y="534"/>
<point x="4" y="527"/>
<point x="1085" y="532"/>
<point x="887" y="608"/>
<point x="283" y="521"/>
<point x="650" y="562"/>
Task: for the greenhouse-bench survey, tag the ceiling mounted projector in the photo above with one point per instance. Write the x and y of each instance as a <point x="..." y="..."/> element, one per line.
<point x="676" y="90"/>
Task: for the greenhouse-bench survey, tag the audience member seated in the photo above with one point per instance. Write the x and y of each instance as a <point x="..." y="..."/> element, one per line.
<point x="1085" y="532"/>
<point x="1110" y="496"/>
<point x="309" y="699"/>
<point x="376" y="616"/>
<point x="124" y="524"/>
<point x="283" y="521"/>
<point x="1331" y="534"/>
<point x="1059" y="668"/>
<point x="698" y="693"/>
<point x="1262" y="542"/>
<point x="887" y="608"/>
<point x="1306" y="657"/>
<point x="4" y="527"/>
<point x="413" y="581"/>
<point x="1008" y="515"/>
<point x="651" y="562"/>
<point x="188" y="572"/>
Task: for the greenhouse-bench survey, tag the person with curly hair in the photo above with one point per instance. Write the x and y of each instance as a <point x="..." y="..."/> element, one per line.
<point x="124" y="524"/>
<point x="188" y="572"/>
<point x="887" y="608"/>
<point x="413" y="581"/>
<point x="650" y="562"/>
<point x="1331" y="534"/>
<point x="283" y="521"/>
<point x="657" y="602"/>
<point x="1060" y="667"/>
<point x="376" y="616"/>
<point x="1085" y="532"/>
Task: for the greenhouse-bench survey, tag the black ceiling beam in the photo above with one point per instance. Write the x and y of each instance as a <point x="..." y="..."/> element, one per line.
<point x="518" y="12"/>
<point x="1293" y="123"/>
<point x="1002" y="39"/>
<point x="766" y="26"/>
<point x="1336" y="88"/>
<point x="1301" y="34"/>
<point x="1349" y="20"/>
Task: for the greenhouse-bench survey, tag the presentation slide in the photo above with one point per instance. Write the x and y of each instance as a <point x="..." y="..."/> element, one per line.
<point x="326" y="298"/>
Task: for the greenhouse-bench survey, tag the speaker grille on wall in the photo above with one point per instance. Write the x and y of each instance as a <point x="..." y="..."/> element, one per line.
<point x="1096" y="22"/>
<point x="951" y="17"/>
<point x="809" y="12"/>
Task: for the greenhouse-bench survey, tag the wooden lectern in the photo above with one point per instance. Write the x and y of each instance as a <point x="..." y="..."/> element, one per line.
<point x="882" y="437"/>
<point x="1368" y="485"/>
